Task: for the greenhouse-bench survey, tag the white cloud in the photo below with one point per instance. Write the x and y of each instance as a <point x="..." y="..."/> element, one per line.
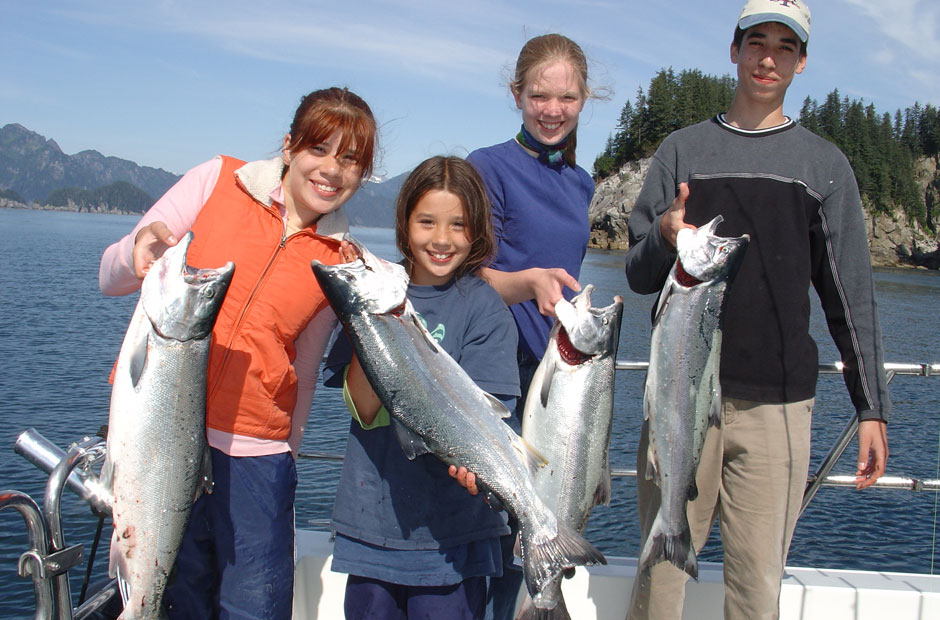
<point x="911" y="24"/>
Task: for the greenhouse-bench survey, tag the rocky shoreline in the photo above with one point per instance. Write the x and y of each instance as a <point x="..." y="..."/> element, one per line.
<point x="894" y="241"/>
<point x="12" y="204"/>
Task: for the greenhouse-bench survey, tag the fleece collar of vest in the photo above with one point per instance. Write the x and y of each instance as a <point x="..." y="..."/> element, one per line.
<point x="258" y="178"/>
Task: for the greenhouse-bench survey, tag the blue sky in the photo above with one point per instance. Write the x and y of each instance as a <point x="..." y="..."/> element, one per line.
<point x="170" y="83"/>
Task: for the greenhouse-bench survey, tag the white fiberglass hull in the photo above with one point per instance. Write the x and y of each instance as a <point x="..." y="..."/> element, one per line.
<point x="603" y="592"/>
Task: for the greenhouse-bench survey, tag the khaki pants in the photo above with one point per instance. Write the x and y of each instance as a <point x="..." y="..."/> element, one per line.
<point x="752" y="476"/>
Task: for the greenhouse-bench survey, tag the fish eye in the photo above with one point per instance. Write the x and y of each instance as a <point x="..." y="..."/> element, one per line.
<point x="210" y="293"/>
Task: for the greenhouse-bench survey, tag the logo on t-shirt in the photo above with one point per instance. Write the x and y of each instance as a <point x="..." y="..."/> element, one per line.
<point x="437" y="333"/>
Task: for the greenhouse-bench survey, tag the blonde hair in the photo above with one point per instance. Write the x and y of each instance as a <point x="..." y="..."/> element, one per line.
<point x="541" y="51"/>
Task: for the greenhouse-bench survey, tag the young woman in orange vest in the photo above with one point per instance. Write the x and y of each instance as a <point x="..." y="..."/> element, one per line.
<point x="271" y="218"/>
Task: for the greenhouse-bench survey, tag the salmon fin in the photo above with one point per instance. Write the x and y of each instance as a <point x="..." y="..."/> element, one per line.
<point x="662" y="303"/>
<point x="693" y="491"/>
<point x="428" y="338"/>
<point x="114" y="557"/>
<point x="138" y="357"/>
<point x="652" y="472"/>
<point x="547" y="558"/>
<point x="532" y="459"/>
<point x="602" y="493"/>
<point x="411" y="443"/>
<point x="547" y="376"/>
<point x="499" y="408"/>
<point x="714" y="412"/>
<point x="674" y="548"/>
<point x="492" y="500"/>
<point x="106" y="475"/>
<point x="205" y="475"/>
<point x="529" y="611"/>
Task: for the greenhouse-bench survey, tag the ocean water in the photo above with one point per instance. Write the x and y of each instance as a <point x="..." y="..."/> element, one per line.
<point x="59" y="337"/>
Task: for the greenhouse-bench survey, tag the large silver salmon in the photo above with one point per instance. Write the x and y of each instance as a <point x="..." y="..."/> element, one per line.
<point x="436" y="407"/>
<point x="156" y="447"/>
<point x="682" y="397"/>
<point x="567" y="419"/>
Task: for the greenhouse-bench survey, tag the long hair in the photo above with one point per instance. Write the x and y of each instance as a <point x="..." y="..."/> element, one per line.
<point x="324" y="112"/>
<point x="541" y="51"/>
<point x="456" y="176"/>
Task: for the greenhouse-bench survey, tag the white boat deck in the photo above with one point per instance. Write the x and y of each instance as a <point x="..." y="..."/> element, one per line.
<point x="603" y="592"/>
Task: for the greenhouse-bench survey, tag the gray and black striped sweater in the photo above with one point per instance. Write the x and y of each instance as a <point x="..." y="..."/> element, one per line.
<point x="795" y="194"/>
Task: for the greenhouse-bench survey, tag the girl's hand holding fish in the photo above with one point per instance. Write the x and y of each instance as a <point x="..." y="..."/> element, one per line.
<point x="464" y="478"/>
<point x="150" y="243"/>
<point x="545" y="286"/>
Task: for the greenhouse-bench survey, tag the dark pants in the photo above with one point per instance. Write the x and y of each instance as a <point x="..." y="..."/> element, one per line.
<point x="503" y="591"/>
<point x="371" y="599"/>
<point x="237" y="556"/>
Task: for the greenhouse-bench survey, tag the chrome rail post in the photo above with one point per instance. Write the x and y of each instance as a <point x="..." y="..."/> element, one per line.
<point x="61" y="559"/>
<point x="45" y="455"/>
<point x="32" y="561"/>
<point x="829" y="462"/>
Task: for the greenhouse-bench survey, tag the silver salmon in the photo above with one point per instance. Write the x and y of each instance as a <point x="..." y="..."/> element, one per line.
<point x="437" y="408"/>
<point x="567" y="419"/>
<point x="682" y="397"/>
<point x="156" y="447"/>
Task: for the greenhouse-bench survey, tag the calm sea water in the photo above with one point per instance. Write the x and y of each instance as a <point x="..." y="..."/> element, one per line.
<point x="59" y="337"/>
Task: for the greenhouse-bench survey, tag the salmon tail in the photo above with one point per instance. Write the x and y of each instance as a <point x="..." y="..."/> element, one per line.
<point x="529" y="611"/>
<point x="664" y="547"/>
<point x="545" y="559"/>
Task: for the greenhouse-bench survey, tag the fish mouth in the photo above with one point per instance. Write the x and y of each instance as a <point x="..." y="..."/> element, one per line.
<point x="585" y="332"/>
<point x="568" y="352"/>
<point x="177" y="261"/>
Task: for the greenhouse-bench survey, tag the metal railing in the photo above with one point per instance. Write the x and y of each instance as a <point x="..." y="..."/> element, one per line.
<point x="823" y="475"/>
<point x="49" y="559"/>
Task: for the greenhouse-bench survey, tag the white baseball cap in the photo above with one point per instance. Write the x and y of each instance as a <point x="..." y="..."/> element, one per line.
<point x="791" y="13"/>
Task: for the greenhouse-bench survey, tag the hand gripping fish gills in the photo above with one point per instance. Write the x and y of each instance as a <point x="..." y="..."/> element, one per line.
<point x="567" y="419"/>
<point x="436" y="407"/>
<point x="682" y="397"/>
<point x="157" y="459"/>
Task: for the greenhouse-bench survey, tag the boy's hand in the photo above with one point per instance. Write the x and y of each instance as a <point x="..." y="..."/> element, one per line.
<point x="673" y="219"/>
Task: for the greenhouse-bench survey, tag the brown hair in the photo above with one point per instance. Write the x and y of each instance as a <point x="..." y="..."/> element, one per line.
<point x="544" y="50"/>
<point x="324" y="112"/>
<point x="456" y="176"/>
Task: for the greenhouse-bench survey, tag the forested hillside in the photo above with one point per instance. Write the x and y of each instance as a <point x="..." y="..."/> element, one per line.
<point x="882" y="148"/>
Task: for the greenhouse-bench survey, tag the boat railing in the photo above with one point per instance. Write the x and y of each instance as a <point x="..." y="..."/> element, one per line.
<point x="823" y="475"/>
<point x="49" y="559"/>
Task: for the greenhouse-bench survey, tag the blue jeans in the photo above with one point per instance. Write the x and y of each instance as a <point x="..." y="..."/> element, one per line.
<point x="237" y="556"/>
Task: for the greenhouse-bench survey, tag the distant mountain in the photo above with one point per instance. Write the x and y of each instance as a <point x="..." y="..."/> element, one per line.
<point x="374" y="204"/>
<point x="34" y="167"/>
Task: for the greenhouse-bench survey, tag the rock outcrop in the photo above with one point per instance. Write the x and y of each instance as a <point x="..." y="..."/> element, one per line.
<point x="893" y="239"/>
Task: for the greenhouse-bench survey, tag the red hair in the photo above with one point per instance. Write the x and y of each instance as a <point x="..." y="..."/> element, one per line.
<point x="324" y="112"/>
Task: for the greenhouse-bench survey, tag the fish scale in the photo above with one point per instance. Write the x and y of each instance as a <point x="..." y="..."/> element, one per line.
<point x="682" y="395"/>
<point x="156" y="445"/>
<point x="567" y="419"/>
<point x="436" y="407"/>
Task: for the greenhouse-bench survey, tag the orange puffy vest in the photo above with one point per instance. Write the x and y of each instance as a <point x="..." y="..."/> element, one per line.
<point x="252" y="387"/>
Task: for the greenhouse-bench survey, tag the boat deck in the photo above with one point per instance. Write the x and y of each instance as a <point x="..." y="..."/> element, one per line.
<point x="603" y="592"/>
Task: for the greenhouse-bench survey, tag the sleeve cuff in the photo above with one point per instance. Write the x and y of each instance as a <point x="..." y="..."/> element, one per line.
<point x="381" y="418"/>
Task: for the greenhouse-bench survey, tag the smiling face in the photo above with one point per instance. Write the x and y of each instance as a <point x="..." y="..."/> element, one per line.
<point x="551" y="99"/>
<point x="437" y="237"/>
<point x="319" y="179"/>
<point x="767" y="59"/>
